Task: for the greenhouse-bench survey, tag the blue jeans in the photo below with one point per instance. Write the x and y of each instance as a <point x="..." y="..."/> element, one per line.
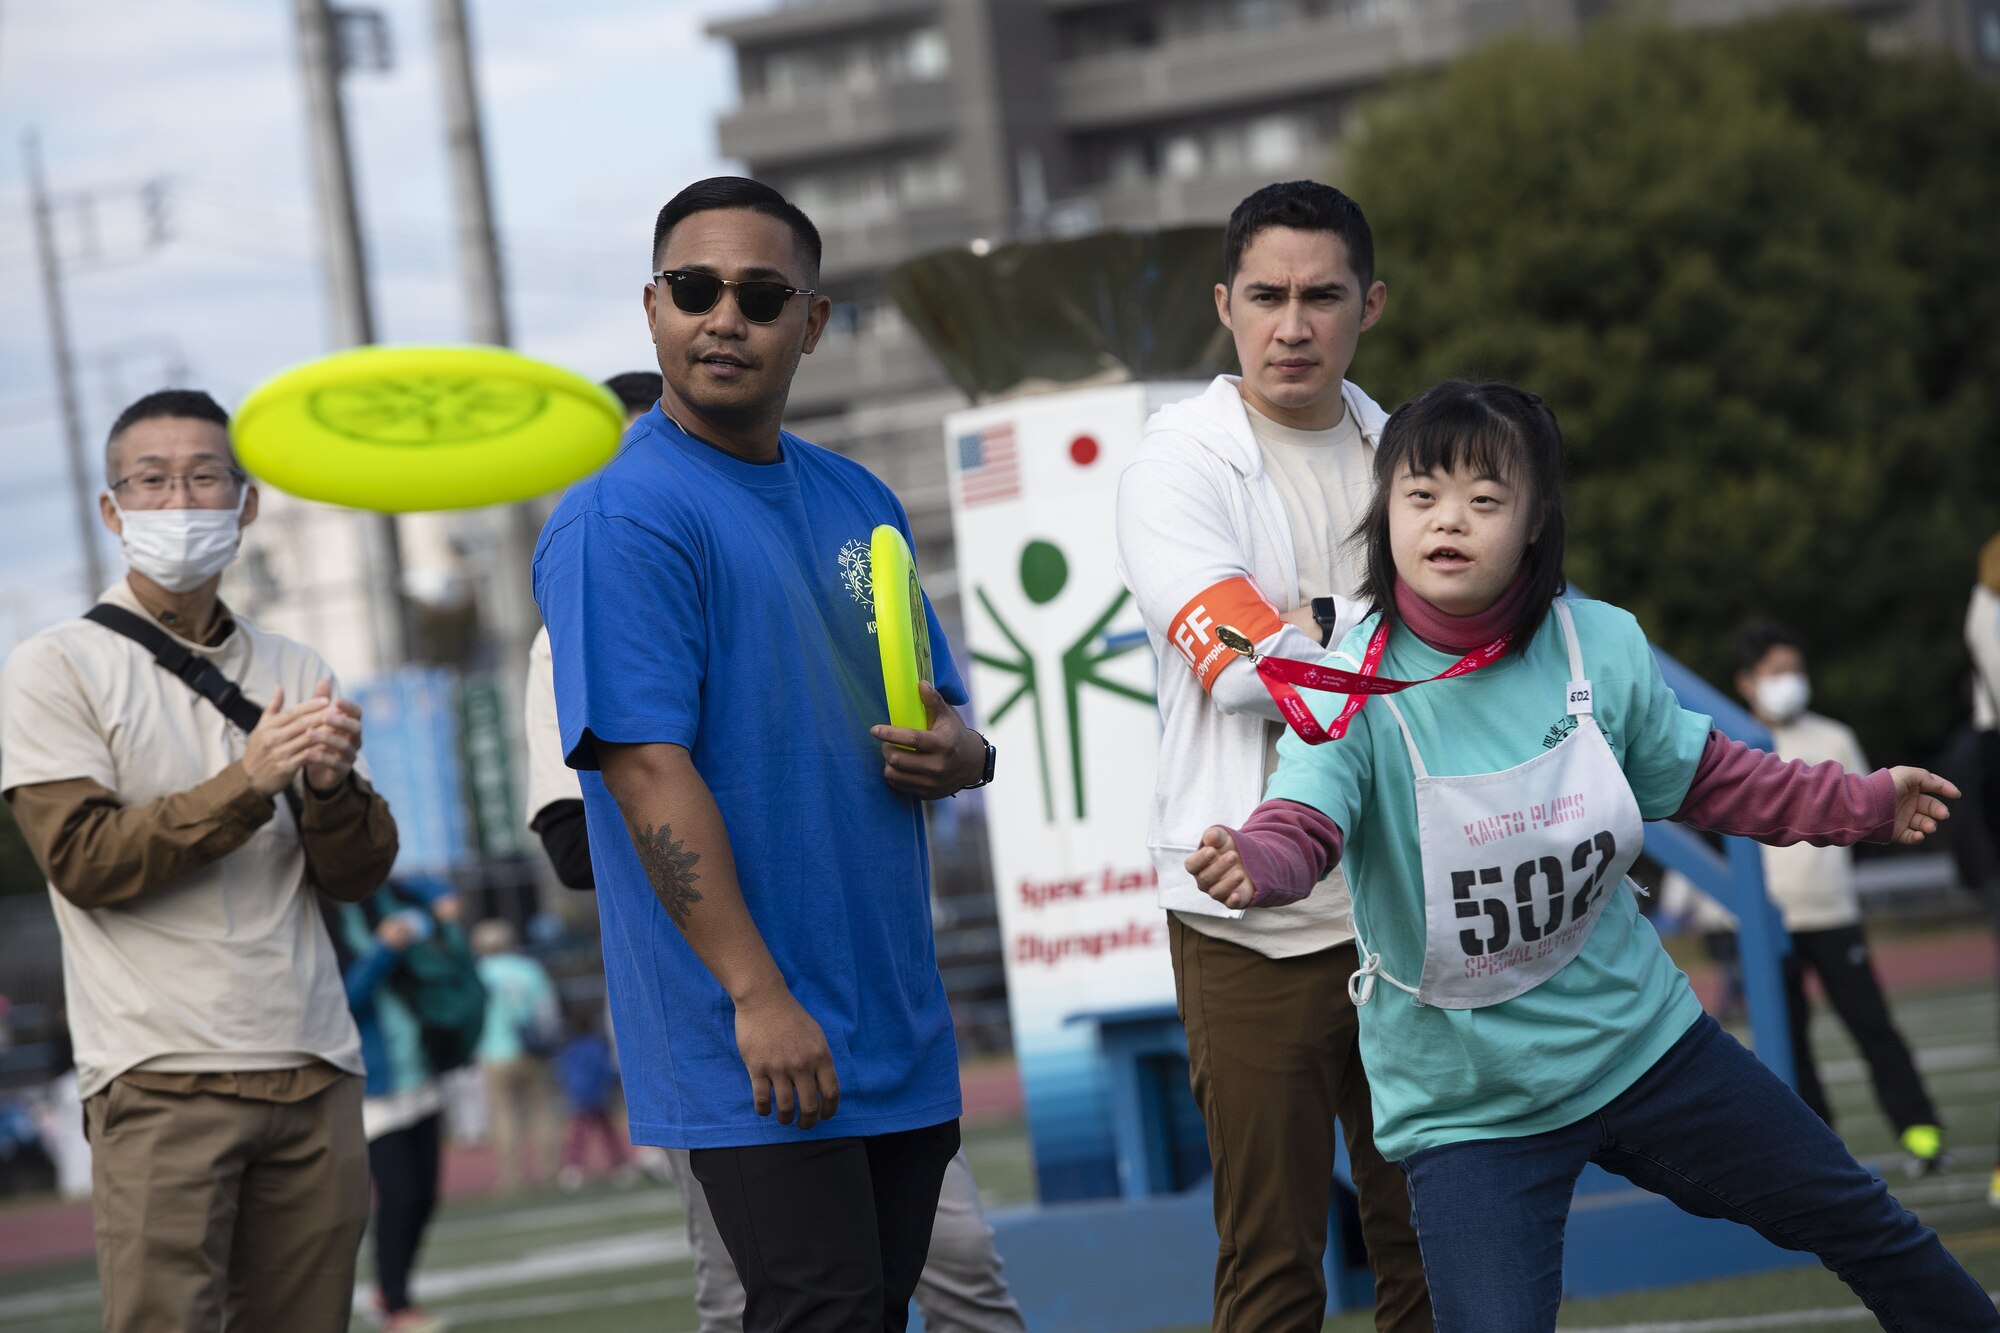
<point x="1713" y="1130"/>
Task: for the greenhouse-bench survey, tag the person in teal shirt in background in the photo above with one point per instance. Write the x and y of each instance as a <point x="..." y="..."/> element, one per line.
<point x="402" y="1111"/>
<point x="523" y="1026"/>
<point x="1528" y="1021"/>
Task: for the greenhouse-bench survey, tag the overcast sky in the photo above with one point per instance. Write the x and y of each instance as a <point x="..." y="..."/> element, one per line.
<point x="594" y="113"/>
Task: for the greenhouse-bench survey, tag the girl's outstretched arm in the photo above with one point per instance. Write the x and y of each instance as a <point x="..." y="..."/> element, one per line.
<point x="1281" y="851"/>
<point x="1755" y="794"/>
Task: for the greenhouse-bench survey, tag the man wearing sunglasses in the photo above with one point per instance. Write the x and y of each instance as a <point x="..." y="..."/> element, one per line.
<point x="755" y="831"/>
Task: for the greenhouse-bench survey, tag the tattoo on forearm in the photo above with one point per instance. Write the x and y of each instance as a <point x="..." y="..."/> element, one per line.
<point x="669" y="865"/>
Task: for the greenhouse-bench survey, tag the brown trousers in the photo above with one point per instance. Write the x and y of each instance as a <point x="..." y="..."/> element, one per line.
<point x="521" y="1110"/>
<point x="1274" y="1055"/>
<point x="215" y="1211"/>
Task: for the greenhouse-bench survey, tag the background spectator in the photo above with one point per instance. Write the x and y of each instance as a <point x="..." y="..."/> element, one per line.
<point x="590" y="1085"/>
<point x="402" y="1114"/>
<point x="1814" y="889"/>
<point x="523" y="1027"/>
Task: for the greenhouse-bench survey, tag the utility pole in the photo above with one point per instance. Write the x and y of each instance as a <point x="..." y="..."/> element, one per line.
<point x="347" y="281"/>
<point x="509" y="531"/>
<point x="472" y="196"/>
<point x="83" y="493"/>
<point x="509" y="601"/>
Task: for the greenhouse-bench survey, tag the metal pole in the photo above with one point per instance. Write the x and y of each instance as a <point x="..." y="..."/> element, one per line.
<point x="340" y="218"/>
<point x="347" y="281"/>
<point x="472" y="197"/>
<point x="513" y="532"/>
<point x="509" y="531"/>
<point x="82" y="491"/>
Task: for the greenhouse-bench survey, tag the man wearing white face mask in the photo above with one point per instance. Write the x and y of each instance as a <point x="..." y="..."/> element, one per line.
<point x="182" y="836"/>
<point x="1814" y="889"/>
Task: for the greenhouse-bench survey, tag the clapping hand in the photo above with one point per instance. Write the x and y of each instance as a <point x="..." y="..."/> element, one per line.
<point x="335" y="740"/>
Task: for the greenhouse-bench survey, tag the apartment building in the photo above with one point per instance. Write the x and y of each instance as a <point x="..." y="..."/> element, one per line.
<point x="904" y="126"/>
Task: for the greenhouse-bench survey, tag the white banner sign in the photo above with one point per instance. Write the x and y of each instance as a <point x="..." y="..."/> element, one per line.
<point x="1063" y="681"/>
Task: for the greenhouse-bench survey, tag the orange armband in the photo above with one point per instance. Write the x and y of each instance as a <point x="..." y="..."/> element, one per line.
<point x="1233" y="602"/>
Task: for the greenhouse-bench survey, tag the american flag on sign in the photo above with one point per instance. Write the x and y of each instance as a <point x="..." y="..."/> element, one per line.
<point x="988" y="469"/>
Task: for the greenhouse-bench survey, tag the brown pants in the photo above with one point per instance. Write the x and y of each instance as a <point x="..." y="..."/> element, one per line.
<point x="1274" y="1056"/>
<point x="217" y="1211"/>
<point x="521" y="1111"/>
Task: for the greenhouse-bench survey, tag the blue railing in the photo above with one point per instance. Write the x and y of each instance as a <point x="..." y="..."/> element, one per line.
<point x="1734" y="877"/>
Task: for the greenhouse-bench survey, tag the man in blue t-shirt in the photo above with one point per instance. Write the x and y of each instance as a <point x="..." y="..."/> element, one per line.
<point x="755" y="831"/>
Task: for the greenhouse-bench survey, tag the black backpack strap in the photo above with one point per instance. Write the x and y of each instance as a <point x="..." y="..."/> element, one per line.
<point x="195" y="671"/>
<point x="336" y="931"/>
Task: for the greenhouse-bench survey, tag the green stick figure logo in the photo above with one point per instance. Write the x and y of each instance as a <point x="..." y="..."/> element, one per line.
<point x="1044" y="575"/>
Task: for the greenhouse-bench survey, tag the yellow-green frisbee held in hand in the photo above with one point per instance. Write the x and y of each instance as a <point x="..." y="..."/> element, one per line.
<point x="397" y="429"/>
<point x="902" y="631"/>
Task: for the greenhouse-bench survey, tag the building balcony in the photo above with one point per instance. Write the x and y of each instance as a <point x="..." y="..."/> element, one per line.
<point x="1183" y="78"/>
<point x="801" y="20"/>
<point x="840" y="123"/>
<point x="1163" y="202"/>
<point x="850" y="369"/>
<point x="854" y="248"/>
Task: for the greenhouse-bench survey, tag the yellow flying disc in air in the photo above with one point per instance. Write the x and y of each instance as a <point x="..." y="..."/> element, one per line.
<point x="407" y="428"/>
<point x="902" y="631"/>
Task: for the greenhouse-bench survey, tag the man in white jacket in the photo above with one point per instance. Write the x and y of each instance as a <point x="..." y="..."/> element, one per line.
<point x="1235" y="511"/>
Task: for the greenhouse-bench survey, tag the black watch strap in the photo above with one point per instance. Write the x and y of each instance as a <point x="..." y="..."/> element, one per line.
<point x="1326" y="614"/>
<point x="986" y="773"/>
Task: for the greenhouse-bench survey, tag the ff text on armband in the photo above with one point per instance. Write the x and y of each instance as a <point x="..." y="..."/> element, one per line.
<point x="1235" y="602"/>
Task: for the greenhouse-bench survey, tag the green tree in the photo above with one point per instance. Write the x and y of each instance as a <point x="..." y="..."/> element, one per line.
<point x="1755" y="271"/>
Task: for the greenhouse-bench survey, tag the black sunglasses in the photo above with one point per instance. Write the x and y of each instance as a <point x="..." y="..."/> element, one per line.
<point x="697" y="293"/>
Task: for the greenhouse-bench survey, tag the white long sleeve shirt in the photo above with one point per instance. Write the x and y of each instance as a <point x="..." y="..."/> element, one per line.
<point x="1204" y="540"/>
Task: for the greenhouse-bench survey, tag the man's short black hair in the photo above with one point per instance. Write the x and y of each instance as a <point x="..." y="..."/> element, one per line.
<point x="717" y="192"/>
<point x="637" y="390"/>
<point x="1756" y="639"/>
<point x="188" y="404"/>
<point x="1303" y="206"/>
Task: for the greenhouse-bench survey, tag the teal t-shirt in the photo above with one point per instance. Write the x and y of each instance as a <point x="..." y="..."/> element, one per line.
<point x="1561" y="1051"/>
<point x="519" y="995"/>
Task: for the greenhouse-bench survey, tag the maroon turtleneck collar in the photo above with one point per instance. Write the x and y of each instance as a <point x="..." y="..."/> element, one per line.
<point x="1460" y="634"/>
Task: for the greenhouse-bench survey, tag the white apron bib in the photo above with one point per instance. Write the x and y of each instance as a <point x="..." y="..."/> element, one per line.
<point x="1517" y="865"/>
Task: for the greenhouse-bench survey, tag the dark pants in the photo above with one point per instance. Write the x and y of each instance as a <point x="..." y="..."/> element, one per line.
<point x="1713" y="1130"/>
<point x="405" y="1167"/>
<point x="828" y="1235"/>
<point x="1274" y="1055"/>
<point x="1840" y="958"/>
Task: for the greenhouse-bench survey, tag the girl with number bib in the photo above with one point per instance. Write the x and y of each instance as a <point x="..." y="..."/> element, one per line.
<point x="1518" y="1015"/>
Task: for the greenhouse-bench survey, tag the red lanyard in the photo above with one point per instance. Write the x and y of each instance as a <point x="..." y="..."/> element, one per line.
<point x="1280" y="674"/>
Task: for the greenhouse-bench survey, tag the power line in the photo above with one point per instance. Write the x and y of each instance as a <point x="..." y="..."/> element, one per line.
<point x="286" y="209"/>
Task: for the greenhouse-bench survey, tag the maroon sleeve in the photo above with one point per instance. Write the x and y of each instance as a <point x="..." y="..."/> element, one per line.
<point x="1286" y="849"/>
<point x="1740" y="790"/>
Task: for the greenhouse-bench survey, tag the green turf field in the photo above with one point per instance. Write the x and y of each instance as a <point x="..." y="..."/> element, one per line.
<point x="615" y="1261"/>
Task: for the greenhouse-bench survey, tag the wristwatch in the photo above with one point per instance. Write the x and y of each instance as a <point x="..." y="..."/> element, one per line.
<point x="986" y="773"/>
<point x="1327" y="617"/>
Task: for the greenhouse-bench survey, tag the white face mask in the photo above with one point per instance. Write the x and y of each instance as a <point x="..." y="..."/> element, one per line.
<point x="181" y="549"/>
<point x="1784" y="696"/>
